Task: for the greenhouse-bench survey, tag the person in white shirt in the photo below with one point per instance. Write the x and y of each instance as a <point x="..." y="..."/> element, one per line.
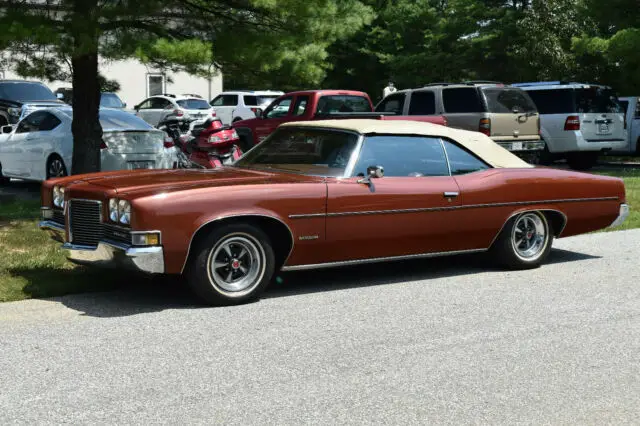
<point x="388" y="90"/>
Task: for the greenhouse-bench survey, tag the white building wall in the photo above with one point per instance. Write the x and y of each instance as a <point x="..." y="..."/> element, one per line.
<point x="132" y="76"/>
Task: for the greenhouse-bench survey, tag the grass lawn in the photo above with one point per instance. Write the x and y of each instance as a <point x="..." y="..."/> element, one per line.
<point x="33" y="266"/>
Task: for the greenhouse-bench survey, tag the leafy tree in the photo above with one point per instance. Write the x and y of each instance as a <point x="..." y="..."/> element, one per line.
<point x="240" y="37"/>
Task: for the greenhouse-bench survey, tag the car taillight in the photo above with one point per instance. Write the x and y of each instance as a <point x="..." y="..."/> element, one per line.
<point x="213" y="114"/>
<point x="214" y="139"/>
<point x="445" y="122"/>
<point x="572" y="123"/>
<point x="485" y="126"/>
<point x="234" y="135"/>
<point x="168" y="142"/>
<point x="178" y="112"/>
<point x="103" y="145"/>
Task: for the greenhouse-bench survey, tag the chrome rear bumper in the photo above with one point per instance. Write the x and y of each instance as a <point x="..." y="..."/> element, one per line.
<point x="109" y="254"/>
<point x="622" y="216"/>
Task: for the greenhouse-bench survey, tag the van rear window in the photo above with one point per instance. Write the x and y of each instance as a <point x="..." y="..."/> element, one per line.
<point x="500" y="100"/>
<point x="597" y="100"/>
<point x="462" y="100"/>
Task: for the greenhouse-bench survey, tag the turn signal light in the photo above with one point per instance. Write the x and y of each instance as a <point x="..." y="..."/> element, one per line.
<point x="572" y="123"/>
<point x="146" y="239"/>
<point x="485" y="126"/>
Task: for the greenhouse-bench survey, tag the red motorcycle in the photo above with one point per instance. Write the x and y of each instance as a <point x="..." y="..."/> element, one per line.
<point x="207" y="145"/>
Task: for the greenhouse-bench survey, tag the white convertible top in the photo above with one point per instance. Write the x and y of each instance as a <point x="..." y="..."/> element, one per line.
<point x="476" y="142"/>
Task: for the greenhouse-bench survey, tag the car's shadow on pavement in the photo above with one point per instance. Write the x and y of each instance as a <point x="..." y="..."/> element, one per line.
<point x="138" y="295"/>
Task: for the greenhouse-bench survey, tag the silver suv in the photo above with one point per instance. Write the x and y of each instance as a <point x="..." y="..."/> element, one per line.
<point x="505" y="114"/>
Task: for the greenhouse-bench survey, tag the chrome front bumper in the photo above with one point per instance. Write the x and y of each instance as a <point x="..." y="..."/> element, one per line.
<point x="622" y="216"/>
<point x="109" y="254"/>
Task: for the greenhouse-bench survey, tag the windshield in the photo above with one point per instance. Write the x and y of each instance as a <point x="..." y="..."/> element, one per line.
<point x="500" y="100"/>
<point x="110" y="100"/>
<point x="193" y="104"/>
<point x="343" y="103"/>
<point x="121" y="120"/>
<point x="305" y="151"/>
<point x="597" y="100"/>
<point x="25" y="91"/>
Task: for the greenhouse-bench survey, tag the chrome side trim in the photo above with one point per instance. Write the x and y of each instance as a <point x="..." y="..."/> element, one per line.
<point x="219" y="218"/>
<point x="378" y="259"/>
<point x="471" y="206"/>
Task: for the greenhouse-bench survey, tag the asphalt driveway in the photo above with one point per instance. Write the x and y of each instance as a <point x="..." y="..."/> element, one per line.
<point x="413" y="342"/>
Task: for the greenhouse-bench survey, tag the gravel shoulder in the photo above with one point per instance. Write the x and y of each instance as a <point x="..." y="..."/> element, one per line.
<point x="444" y="341"/>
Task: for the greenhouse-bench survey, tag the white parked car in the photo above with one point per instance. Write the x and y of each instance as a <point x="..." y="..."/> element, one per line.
<point x="242" y="105"/>
<point x="40" y="146"/>
<point x="631" y="106"/>
<point x="578" y="121"/>
<point x="189" y="107"/>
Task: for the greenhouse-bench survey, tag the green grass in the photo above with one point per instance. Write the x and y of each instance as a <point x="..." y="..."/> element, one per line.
<point x="631" y="179"/>
<point x="33" y="266"/>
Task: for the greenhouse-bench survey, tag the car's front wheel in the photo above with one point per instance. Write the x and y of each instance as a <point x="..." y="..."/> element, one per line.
<point x="525" y="241"/>
<point x="231" y="265"/>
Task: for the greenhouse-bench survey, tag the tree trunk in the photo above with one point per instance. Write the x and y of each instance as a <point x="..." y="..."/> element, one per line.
<point x="86" y="129"/>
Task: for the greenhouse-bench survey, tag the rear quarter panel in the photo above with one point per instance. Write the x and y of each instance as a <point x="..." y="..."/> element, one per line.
<point x="491" y="197"/>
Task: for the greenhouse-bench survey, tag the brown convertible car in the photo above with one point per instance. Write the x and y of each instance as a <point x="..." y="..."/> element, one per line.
<point x="327" y="193"/>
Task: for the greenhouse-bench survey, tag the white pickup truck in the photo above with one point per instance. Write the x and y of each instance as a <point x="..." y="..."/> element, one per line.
<point x="631" y="105"/>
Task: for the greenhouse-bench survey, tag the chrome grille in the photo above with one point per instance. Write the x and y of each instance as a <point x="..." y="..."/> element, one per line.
<point x="58" y="217"/>
<point x="85" y="224"/>
<point x="116" y="234"/>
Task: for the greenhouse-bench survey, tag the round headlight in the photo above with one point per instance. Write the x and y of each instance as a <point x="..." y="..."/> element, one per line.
<point x="124" y="210"/>
<point x="58" y="196"/>
<point x="113" y="210"/>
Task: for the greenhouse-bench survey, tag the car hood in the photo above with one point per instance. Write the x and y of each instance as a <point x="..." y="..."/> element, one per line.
<point x="168" y="180"/>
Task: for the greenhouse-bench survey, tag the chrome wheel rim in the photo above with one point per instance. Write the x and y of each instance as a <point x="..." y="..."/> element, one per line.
<point x="529" y="236"/>
<point x="56" y="169"/>
<point x="236" y="264"/>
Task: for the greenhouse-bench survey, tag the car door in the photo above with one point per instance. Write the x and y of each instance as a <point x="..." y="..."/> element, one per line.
<point x="410" y="211"/>
<point x="276" y="114"/>
<point x="40" y="144"/>
<point x="224" y="105"/>
<point x="17" y="147"/>
<point x="143" y="110"/>
<point x="393" y="103"/>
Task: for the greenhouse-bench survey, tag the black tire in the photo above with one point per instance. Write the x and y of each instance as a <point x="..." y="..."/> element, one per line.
<point x="227" y="285"/>
<point x="55" y="167"/>
<point x="3" y="180"/>
<point x="582" y="160"/>
<point x="508" y="253"/>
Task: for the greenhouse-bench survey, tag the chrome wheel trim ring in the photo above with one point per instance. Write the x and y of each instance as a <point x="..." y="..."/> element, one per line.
<point x="529" y="236"/>
<point x="236" y="265"/>
<point x="56" y="168"/>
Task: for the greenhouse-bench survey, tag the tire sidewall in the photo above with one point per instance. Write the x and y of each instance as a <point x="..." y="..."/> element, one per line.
<point x="48" y="166"/>
<point x="506" y="253"/>
<point x="199" y="276"/>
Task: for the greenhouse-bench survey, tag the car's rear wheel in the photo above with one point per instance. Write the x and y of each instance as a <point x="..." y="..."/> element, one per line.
<point x="231" y="265"/>
<point x="56" y="167"/>
<point x="524" y="242"/>
<point x="582" y="160"/>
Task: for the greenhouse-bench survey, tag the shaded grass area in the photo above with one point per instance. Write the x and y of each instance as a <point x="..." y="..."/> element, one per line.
<point x="32" y="265"/>
<point x="631" y="179"/>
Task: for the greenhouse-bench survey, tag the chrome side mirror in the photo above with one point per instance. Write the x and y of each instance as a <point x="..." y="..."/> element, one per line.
<point x="373" y="172"/>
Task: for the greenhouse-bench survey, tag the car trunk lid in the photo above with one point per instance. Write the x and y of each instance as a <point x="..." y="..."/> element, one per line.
<point x="134" y="141"/>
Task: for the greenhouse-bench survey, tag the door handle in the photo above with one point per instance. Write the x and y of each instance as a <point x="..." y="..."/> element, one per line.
<point x="451" y="194"/>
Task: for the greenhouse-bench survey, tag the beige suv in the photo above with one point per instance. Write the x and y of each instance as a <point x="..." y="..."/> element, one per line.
<point x="505" y="114"/>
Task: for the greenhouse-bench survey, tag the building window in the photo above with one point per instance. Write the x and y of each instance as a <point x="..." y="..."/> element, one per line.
<point x="155" y="84"/>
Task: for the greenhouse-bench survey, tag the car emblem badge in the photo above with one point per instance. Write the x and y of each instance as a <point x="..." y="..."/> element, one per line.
<point x="235" y="264"/>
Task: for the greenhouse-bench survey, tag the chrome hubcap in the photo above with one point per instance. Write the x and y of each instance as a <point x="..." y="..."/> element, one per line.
<point x="236" y="264"/>
<point x="56" y="169"/>
<point x="529" y="236"/>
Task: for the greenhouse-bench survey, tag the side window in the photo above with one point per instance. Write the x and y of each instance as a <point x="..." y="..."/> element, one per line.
<point x="159" y="103"/>
<point x="422" y="103"/>
<point x="637" y="113"/>
<point x="146" y="104"/>
<point x="552" y="101"/>
<point x="402" y="156"/>
<point x="250" y="100"/>
<point x="300" y="106"/>
<point x="279" y="108"/>
<point x="32" y="122"/>
<point x="49" y="122"/>
<point x="462" y="161"/>
<point x="229" y="100"/>
<point x="462" y="100"/>
<point x="392" y="103"/>
<point x="217" y="101"/>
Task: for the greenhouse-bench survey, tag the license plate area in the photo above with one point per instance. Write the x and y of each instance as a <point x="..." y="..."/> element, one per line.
<point x="135" y="165"/>
<point x="603" y="128"/>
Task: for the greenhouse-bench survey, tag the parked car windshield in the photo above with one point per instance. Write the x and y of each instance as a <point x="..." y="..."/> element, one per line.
<point x="120" y="120"/>
<point x="500" y="100"/>
<point x="110" y="100"/>
<point x="193" y="104"/>
<point x="26" y="91"/>
<point x="595" y="100"/>
<point x="304" y="151"/>
<point x="343" y="103"/>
